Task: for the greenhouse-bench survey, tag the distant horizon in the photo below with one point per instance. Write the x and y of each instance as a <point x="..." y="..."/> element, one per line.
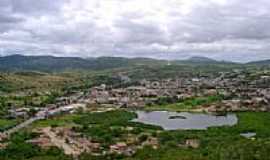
<point x="134" y="57"/>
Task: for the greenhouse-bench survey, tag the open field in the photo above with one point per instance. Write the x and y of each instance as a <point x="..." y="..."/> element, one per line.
<point x="61" y="120"/>
<point x="188" y="105"/>
<point x="4" y="124"/>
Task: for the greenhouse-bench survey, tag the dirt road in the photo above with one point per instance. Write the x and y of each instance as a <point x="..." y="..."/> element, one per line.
<point x="60" y="143"/>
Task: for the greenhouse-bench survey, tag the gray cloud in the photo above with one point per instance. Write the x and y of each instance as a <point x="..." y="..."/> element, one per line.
<point x="35" y="7"/>
<point x="221" y="29"/>
<point x="6" y="19"/>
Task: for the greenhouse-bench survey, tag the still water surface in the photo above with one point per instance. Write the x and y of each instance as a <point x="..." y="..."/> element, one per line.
<point x="184" y="120"/>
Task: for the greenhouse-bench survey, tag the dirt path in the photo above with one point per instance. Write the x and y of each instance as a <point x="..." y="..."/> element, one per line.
<point x="60" y="143"/>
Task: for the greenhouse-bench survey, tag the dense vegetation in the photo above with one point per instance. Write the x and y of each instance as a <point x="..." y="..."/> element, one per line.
<point x="106" y="127"/>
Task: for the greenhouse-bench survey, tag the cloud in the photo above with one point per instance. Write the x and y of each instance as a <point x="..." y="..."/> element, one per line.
<point x="222" y="29"/>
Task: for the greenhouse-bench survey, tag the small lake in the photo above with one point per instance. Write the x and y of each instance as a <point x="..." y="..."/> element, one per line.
<point x="248" y="134"/>
<point x="184" y="120"/>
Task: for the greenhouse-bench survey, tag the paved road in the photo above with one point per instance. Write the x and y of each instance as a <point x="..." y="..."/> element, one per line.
<point x="22" y="125"/>
<point x="41" y="115"/>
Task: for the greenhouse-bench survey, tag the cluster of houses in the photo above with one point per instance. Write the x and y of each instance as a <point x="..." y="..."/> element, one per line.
<point x="138" y="96"/>
<point x="62" y="104"/>
<point x="130" y="148"/>
<point x="239" y="91"/>
<point x="71" y="142"/>
<point x="252" y="99"/>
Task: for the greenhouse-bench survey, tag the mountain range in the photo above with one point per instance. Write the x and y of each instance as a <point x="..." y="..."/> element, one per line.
<point x="51" y="63"/>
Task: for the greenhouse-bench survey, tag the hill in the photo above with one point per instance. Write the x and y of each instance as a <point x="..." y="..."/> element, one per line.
<point x="201" y="59"/>
<point x="51" y="63"/>
<point x="260" y="63"/>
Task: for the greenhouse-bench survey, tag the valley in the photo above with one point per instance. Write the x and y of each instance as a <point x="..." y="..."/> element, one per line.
<point x="181" y="111"/>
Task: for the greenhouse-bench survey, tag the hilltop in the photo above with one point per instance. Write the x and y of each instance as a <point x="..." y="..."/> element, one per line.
<point x="55" y="64"/>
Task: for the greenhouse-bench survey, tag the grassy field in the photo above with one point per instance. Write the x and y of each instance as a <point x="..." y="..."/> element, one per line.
<point x="61" y="120"/>
<point x="186" y="105"/>
<point x="4" y="124"/>
<point x="255" y="122"/>
<point x="22" y="81"/>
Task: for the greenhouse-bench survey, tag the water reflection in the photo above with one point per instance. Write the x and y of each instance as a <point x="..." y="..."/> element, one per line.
<point x="248" y="134"/>
<point x="184" y="120"/>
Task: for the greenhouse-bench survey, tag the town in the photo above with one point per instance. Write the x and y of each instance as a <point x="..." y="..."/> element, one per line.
<point x="238" y="91"/>
<point x="134" y="80"/>
<point x="217" y="94"/>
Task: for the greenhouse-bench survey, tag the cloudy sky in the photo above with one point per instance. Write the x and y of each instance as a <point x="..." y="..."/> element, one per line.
<point x="237" y="30"/>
